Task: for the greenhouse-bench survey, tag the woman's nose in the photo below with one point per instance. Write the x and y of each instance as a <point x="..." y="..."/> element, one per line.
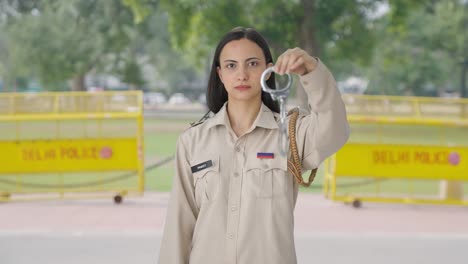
<point x="243" y="73"/>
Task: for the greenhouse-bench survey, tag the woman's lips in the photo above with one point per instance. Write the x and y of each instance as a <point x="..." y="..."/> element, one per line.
<point x="242" y="87"/>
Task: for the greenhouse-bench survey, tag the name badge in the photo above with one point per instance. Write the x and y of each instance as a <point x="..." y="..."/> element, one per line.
<point x="202" y="166"/>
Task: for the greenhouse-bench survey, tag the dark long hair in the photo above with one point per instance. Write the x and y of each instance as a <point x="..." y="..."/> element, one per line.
<point x="216" y="94"/>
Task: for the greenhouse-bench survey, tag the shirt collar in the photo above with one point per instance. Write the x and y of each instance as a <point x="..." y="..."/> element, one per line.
<point x="265" y="118"/>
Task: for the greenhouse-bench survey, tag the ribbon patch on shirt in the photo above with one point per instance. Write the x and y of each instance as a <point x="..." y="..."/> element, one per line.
<point x="265" y="155"/>
<point x="202" y="166"/>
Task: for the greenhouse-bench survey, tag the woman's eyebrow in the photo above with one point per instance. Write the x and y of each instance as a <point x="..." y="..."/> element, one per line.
<point x="249" y="59"/>
<point x="252" y="58"/>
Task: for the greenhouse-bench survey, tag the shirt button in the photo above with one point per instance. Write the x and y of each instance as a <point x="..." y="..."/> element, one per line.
<point x="305" y="83"/>
<point x="233" y="208"/>
<point x="230" y="235"/>
<point x="236" y="174"/>
<point x="238" y="149"/>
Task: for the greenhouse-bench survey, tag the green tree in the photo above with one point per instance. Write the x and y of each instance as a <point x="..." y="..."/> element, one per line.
<point x="314" y="25"/>
<point x="171" y="66"/>
<point x="140" y="8"/>
<point x="421" y="55"/>
<point x="338" y="31"/>
<point x="63" y="40"/>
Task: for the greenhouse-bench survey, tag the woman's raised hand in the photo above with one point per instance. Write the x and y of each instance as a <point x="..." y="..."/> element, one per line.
<point x="296" y="61"/>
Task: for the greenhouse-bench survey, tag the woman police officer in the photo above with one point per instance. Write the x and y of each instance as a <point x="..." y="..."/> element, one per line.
<point x="233" y="199"/>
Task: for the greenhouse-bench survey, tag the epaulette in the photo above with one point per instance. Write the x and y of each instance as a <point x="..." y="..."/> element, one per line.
<point x="201" y="121"/>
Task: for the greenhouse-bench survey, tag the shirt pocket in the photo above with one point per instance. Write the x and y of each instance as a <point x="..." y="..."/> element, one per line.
<point x="267" y="178"/>
<point x="206" y="181"/>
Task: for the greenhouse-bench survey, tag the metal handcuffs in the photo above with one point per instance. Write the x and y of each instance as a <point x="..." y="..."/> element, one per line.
<point x="279" y="95"/>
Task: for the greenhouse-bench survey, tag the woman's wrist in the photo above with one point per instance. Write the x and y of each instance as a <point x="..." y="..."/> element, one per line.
<point x="310" y="65"/>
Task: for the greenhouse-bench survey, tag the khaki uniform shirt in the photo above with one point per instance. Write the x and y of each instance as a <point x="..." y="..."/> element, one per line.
<point x="227" y="205"/>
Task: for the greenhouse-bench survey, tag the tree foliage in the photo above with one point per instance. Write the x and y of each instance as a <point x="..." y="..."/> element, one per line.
<point x="417" y="47"/>
<point x="60" y="40"/>
<point x="140" y="8"/>
<point x="338" y="26"/>
<point x="422" y="57"/>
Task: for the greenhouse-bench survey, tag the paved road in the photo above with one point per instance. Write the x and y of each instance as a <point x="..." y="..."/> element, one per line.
<point x="142" y="248"/>
<point x="98" y="232"/>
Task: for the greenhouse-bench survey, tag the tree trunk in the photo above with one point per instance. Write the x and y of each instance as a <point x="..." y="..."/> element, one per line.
<point x="463" y="92"/>
<point x="14" y="85"/>
<point x="78" y="83"/>
<point x="308" y="36"/>
<point x="308" y="41"/>
<point x="464" y="68"/>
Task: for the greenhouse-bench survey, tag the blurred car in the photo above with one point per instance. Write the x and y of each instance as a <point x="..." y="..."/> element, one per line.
<point x="119" y="98"/>
<point x="202" y="99"/>
<point x="178" y="98"/>
<point x="120" y="102"/>
<point x="154" y="98"/>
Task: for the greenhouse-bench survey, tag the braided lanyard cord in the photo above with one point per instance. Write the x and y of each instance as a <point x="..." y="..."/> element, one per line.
<point x="294" y="165"/>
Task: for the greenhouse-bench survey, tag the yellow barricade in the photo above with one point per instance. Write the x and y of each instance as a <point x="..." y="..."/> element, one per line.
<point x="71" y="145"/>
<point x="397" y="161"/>
<point x="401" y="150"/>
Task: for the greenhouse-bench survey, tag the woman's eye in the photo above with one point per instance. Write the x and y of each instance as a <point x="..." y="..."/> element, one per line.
<point x="230" y="66"/>
<point x="253" y="63"/>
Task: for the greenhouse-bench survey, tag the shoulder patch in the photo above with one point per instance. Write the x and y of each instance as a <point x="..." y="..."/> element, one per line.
<point x="202" y="120"/>
<point x="199" y="122"/>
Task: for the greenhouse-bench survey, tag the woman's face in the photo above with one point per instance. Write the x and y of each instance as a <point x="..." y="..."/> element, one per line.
<point x="242" y="63"/>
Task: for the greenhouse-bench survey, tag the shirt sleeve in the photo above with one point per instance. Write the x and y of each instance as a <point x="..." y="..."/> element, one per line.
<point x="181" y="214"/>
<point x="325" y="130"/>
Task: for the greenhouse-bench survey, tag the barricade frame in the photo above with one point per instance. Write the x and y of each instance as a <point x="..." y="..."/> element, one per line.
<point x="381" y="112"/>
<point x="60" y="107"/>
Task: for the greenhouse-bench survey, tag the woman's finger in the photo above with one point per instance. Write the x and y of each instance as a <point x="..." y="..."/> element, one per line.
<point x="296" y="66"/>
<point x="278" y="64"/>
<point x="292" y="61"/>
<point x="283" y="64"/>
